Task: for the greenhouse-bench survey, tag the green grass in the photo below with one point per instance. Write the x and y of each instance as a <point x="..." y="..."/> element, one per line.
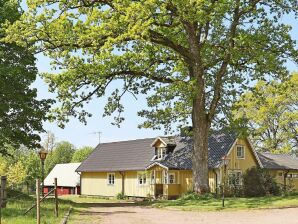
<point x="88" y="199"/>
<point x="214" y="204"/>
<point x="14" y="211"/>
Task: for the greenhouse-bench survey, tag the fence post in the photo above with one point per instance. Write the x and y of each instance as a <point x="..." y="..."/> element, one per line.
<point x="3" y="192"/>
<point x="56" y="197"/>
<point x="37" y="201"/>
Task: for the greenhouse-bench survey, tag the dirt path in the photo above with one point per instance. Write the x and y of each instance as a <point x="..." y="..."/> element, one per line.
<point x="112" y="213"/>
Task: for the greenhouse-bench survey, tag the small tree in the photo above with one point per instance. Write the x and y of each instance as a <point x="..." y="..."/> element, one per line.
<point x="16" y="174"/>
<point x="61" y="154"/>
<point x="258" y="182"/>
<point x="270" y="114"/>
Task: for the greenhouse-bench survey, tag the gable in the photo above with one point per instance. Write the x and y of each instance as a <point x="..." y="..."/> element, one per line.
<point x="250" y="158"/>
<point x="66" y="175"/>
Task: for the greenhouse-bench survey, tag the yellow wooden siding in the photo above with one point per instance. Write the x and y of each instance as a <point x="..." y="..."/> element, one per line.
<point x="241" y="164"/>
<point x="280" y="179"/>
<point x="96" y="184"/>
<point x="132" y="187"/>
<point x="212" y="181"/>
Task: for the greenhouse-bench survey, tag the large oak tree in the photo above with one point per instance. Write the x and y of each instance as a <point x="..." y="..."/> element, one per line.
<point x="191" y="57"/>
<point x="21" y="113"/>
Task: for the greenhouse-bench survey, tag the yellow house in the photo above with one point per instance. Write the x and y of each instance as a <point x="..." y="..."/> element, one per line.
<point x="283" y="167"/>
<point x="161" y="166"/>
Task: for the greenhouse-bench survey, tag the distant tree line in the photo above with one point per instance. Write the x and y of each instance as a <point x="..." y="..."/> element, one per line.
<point x="22" y="165"/>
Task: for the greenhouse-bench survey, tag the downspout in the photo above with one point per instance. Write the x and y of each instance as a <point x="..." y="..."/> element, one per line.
<point x="216" y="181"/>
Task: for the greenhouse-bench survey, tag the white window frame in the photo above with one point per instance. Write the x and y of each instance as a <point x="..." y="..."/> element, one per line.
<point x="231" y="172"/>
<point x="112" y="183"/>
<point x="174" y="179"/>
<point x="161" y="152"/>
<point x="165" y="178"/>
<point x="143" y="177"/>
<point x="243" y="150"/>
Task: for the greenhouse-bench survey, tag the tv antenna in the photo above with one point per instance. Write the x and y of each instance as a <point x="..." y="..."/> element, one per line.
<point x="97" y="133"/>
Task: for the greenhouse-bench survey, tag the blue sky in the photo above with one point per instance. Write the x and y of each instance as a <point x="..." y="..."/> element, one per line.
<point x="80" y="134"/>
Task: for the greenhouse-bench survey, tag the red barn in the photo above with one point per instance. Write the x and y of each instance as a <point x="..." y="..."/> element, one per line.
<point x="68" y="180"/>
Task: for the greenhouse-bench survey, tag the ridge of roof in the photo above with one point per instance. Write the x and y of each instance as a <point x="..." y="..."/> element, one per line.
<point x="128" y="140"/>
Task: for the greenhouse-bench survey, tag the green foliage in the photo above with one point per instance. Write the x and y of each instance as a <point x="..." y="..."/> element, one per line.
<point x="258" y="182"/>
<point x="16" y="174"/>
<point x="61" y="154"/>
<point x="172" y="51"/>
<point x="21" y="165"/>
<point x="21" y="113"/>
<point x="270" y="114"/>
<point x="121" y="196"/>
<point x="81" y="154"/>
<point x="189" y="58"/>
<point x="14" y="193"/>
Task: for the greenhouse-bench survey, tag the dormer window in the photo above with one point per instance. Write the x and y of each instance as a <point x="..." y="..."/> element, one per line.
<point x="161" y="152"/>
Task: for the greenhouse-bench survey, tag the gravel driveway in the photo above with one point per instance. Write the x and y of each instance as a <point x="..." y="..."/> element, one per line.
<point x="111" y="213"/>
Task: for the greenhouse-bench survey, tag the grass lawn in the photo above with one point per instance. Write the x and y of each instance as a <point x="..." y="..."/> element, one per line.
<point x="214" y="204"/>
<point x="14" y="211"/>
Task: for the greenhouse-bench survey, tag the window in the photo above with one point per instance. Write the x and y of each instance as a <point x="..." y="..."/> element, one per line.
<point x="235" y="178"/>
<point x="280" y="174"/>
<point x="240" y="152"/>
<point x="292" y="175"/>
<point x="142" y="179"/>
<point x="165" y="177"/>
<point x="161" y="152"/>
<point x="152" y="177"/>
<point x="171" y="178"/>
<point x="111" y="178"/>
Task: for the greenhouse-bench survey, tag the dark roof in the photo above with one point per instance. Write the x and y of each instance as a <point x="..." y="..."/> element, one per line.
<point x="278" y="161"/>
<point x="138" y="154"/>
<point x="219" y="146"/>
<point x="119" y="156"/>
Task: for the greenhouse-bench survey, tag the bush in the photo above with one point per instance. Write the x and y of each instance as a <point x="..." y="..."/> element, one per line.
<point x="258" y="182"/>
<point x="121" y="196"/>
<point x="17" y="194"/>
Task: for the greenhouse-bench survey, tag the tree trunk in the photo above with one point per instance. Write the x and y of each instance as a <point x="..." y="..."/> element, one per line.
<point x="201" y="127"/>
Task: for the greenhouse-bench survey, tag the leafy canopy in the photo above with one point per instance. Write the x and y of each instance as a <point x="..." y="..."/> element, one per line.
<point x="270" y="112"/>
<point x="62" y="153"/>
<point x="170" y="50"/>
<point x="81" y="154"/>
<point x="21" y="113"/>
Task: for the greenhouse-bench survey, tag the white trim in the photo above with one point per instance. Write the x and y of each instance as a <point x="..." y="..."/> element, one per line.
<point x="171" y="173"/>
<point x="252" y="148"/>
<point x="255" y="153"/>
<point x="234" y="144"/>
<point x="235" y="171"/>
<point x="143" y="174"/>
<point x="108" y="180"/>
<point x="160" y="139"/>
<point x="157" y="164"/>
<point x="243" y="147"/>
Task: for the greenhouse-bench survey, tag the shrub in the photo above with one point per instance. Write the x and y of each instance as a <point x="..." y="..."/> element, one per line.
<point x="258" y="182"/>
<point x="121" y="196"/>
